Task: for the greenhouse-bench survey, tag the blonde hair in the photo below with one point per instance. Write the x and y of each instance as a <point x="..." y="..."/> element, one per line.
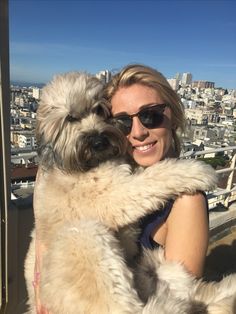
<point x="144" y="75"/>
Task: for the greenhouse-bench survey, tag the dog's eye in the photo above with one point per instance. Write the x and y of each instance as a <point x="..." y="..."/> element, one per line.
<point x="70" y="118"/>
<point x="101" y="110"/>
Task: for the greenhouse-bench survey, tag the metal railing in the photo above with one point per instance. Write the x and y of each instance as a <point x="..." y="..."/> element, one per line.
<point x="220" y="196"/>
<point x="4" y="153"/>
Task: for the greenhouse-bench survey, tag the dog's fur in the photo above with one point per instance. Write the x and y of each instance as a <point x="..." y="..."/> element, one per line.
<point x="85" y="194"/>
<point x="202" y="297"/>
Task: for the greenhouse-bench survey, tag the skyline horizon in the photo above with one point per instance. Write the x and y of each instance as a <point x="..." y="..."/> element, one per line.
<point x="170" y="36"/>
<point x="44" y="83"/>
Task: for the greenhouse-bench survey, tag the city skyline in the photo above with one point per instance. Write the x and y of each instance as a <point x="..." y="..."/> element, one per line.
<point x="49" y="37"/>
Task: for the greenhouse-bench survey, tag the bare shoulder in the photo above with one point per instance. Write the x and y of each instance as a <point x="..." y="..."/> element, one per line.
<point x="189" y="211"/>
<point x="190" y="204"/>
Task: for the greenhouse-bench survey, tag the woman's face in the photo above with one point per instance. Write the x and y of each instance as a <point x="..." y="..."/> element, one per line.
<point x="148" y="146"/>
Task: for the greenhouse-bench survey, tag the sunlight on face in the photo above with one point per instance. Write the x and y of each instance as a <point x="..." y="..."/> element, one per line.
<point x="148" y="146"/>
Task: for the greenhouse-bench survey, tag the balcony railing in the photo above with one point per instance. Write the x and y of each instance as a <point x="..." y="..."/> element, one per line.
<point x="222" y="196"/>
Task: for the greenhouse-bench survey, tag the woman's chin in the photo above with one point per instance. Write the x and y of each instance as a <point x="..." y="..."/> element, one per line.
<point x="146" y="160"/>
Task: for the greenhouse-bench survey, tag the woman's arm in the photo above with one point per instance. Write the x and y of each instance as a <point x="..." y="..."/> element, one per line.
<point x="188" y="232"/>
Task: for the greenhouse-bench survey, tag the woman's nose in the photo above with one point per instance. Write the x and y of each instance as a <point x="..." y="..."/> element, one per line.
<point x="138" y="131"/>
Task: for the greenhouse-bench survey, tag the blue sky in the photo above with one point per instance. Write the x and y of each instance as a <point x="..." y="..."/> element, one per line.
<point x="55" y="36"/>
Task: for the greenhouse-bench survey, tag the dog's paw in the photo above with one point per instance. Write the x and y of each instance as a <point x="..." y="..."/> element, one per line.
<point x="185" y="176"/>
<point x="197" y="175"/>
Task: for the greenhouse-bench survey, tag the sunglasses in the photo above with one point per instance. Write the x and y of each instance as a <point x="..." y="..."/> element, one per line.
<point x="151" y="118"/>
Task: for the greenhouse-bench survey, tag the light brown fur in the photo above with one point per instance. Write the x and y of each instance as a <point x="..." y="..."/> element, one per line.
<point x="207" y="297"/>
<point x="85" y="193"/>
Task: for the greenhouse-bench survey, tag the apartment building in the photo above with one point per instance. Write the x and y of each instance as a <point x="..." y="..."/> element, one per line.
<point x="186" y="79"/>
<point x="203" y="84"/>
<point x="36" y="93"/>
<point x="196" y="115"/>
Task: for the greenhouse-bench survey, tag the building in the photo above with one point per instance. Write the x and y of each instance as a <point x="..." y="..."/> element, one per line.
<point x="178" y="76"/>
<point x="186" y="79"/>
<point x="20" y="101"/>
<point x="26" y="139"/>
<point x="196" y="115"/>
<point x="234" y="113"/>
<point x="104" y="76"/>
<point x="206" y="134"/>
<point x="203" y="84"/>
<point x="36" y="92"/>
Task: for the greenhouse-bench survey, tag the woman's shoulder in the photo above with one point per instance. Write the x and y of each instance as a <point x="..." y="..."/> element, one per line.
<point x="185" y="210"/>
<point x="192" y="200"/>
<point x="188" y="208"/>
<point x="188" y="231"/>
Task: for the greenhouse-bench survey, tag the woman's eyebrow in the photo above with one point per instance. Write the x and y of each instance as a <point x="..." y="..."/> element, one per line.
<point x="121" y="114"/>
<point x="140" y="108"/>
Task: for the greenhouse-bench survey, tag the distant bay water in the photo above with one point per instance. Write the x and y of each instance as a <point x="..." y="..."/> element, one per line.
<point x="27" y="84"/>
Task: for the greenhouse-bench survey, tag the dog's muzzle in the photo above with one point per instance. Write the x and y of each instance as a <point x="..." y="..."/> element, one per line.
<point x="99" y="143"/>
<point x="96" y="147"/>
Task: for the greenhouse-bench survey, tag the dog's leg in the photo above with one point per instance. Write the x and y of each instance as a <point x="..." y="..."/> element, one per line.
<point x="165" y="302"/>
<point x="84" y="272"/>
<point x="219" y="296"/>
<point x="196" y="295"/>
<point x="225" y="306"/>
<point x="113" y="194"/>
<point x="153" y="268"/>
<point x="218" y="290"/>
<point x="165" y="286"/>
<point x="128" y="238"/>
<point x="119" y="197"/>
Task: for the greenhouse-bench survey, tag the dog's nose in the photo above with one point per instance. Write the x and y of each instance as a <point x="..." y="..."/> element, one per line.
<point x="99" y="142"/>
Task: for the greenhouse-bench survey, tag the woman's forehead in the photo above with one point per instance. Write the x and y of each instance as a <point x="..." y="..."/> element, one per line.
<point x="134" y="97"/>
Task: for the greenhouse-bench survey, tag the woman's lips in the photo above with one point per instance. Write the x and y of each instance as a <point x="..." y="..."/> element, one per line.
<point x="144" y="148"/>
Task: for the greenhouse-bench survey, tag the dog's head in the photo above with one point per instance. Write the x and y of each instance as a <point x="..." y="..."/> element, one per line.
<point x="73" y="130"/>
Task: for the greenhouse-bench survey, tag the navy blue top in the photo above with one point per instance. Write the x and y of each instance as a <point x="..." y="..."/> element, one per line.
<point x="150" y="222"/>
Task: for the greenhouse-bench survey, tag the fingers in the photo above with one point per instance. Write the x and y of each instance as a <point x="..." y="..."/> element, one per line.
<point x="36" y="291"/>
<point x="40" y="309"/>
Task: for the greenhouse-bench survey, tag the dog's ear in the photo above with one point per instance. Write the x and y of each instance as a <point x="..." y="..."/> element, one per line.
<point x="101" y="109"/>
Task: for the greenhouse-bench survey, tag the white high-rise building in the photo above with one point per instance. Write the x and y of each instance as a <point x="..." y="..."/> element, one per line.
<point x="186" y="79"/>
<point x="36" y="92"/>
<point x="178" y="76"/>
<point x="104" y="76"/>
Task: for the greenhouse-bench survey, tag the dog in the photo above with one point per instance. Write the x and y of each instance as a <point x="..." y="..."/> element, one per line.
<point x="197" y="296"/>
<point x="86" y="192"/>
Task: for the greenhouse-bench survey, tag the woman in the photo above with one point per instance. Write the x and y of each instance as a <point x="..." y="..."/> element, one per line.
<point x="150" y="113"/>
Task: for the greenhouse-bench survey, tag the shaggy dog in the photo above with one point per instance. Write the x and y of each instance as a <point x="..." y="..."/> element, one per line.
<point x="85" y="196"/>
<point x="197" y="296"/>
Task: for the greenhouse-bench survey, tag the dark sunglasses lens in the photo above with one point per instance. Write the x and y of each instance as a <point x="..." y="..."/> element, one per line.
<point x="124" y="123"/>
<point x="151" y="118"/>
